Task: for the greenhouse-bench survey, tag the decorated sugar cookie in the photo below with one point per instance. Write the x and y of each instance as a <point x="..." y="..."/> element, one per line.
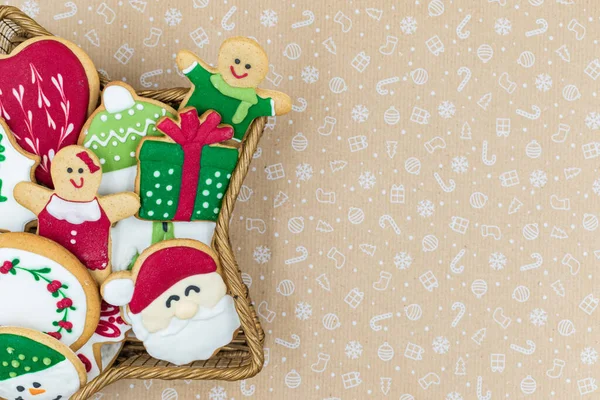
<point x="184" y="177"/>
<point x="132" y="236"/>
<point x="114" y="131"/>
<point x="73" y="214"/>
<point x="35" y="366"/>
<point x="44" y="287"/>
<point x="176" y="301"/>
<point x="232" y="88"/>
<point x="15" y="166"/>
<point x="48" y="87"/>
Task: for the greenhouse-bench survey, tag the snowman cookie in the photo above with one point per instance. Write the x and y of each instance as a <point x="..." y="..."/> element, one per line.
<point x="231" y="89"/>
<point x="15" y="166"/>
<point x="114" y="131"/>
<point x="73" y="214"/>
<point x="44" y="287"/>
<point x="35" y="366"/>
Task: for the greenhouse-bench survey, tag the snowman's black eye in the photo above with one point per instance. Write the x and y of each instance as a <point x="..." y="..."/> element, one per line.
<point x="248" y="66"/>
<point x="80" y="170"/>
<point x="36" y="385"/>
<point x="237" y="61"/>
<point x="70" y="170"/>
<point x="20" y="388"/>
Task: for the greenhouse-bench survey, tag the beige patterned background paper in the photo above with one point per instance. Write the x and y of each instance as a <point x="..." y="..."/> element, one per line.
<point x="424" y="223"/>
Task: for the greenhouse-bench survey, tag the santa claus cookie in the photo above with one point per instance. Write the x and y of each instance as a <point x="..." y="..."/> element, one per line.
<point x="35" y="366"/>
<point x="232" y="88"/>
<point x="44" y="287"/>
<point x="114" y="131"/>
<point x="15" y="166"/>
<point x="48" y="87"/>
<point x="73" y="214"/>
<point x="177" y="302"/>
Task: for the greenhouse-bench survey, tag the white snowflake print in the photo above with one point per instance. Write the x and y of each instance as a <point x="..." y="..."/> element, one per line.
<point x="592" y="121"/>
<point x="353" y="350"/>
<point x="303" y="311"/>
<point x="454" y="396"/>
<point x="538" y="317"/>
<point x="310" y="74"/>
<point x="543" y="82"/>
<point x="596" y="186"/>
<point x="304" y="172"/>
<point x="502" y="26"/>
<point x="367" y="180"/>
<point x="589" y="356"/>
<point x="460" y="164"/>
<point x="538" y="178"/>
<point x="360" y="113"/>
<point x="262" y="254"/>
<point x="173" y="17"/>
<point x="217" y="393"/>
<point x="440" y="345"/>
<point x="446" y="109"/>
<point x="31" y="8"/>
<point x="425" y="208"/>
<point x="497" y="261"/>
<point x="402" y="260"/>
<point x="408" y="25"/>
<point x="268" y="18"/>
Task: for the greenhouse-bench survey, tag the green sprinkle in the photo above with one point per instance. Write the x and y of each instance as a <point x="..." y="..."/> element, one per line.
<point x="35" y="359"/>
<point x="4" y="364"/>
<point x="27" y="369"/>
<point x="47" y="361"/>
<point x="12" y="374"/>
<point x="15" y="364"/>
<point x="21" y="357"/>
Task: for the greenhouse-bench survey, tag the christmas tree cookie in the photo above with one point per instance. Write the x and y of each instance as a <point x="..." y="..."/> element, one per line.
<point x="231" y="89"/>
<point x="44" y="287"/>
<point x="36" y="366"/>
<point x="114" y="131"/>
<point x="15" y="166"/>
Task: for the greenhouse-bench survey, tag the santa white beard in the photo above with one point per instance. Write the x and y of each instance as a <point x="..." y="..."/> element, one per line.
<point x="197" y="338"/>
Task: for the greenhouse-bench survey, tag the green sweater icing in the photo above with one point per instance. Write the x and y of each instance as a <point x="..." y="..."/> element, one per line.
<point x="114" y="138"/>
<point x="226" y="102"/>
<point x="20" y="355"/>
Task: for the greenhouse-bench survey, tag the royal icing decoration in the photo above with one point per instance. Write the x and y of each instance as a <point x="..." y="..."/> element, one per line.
<point x="33" y="366"/>
<point x="15" y="166"/>
<point x="132" y="236"/>
<point x="232" y="88"/>
<point x="116" y="129"/>
<point x="177" y="304"/>
<point x="44" y="102"/>
<point x="73" y="215"/>
<point x="185" y="179"/>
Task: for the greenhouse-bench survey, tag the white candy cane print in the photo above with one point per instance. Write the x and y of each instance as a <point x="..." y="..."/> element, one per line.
<point x="529" y="350"/>
<point x="460" y="32"/>
<point x="294" y="344"/>
<point x="538" y="261"/>
<point x="147" y="75"/>
<point x="535" y="115"/>
<point x="448" y="188"/>
<point x="67" y="14"/>
<point x="543" y="27"/>
<point x="380" y="85"/>
<point x="388" y="220"/>
<point x="310" y="18"/>
<point x="461" y="312"/>
<point x="484" y="155"/>
<point x="225" y="24"/>
<point x="303" y="256"/>
<point x="455" y="260"/>
<point x="480" y="395"/>
<point x="374" y="322"/>
<point x="467" y="72"/>
<point x="301" y="107"/>
<point x="247" y="390"/>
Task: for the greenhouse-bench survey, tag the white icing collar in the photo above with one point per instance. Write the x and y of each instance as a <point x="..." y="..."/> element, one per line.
<point x="74" y="212"/>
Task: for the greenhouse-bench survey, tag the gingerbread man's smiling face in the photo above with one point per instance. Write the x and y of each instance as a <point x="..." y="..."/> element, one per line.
<point x="242" y="63"/>
<point x="76" y="174"/>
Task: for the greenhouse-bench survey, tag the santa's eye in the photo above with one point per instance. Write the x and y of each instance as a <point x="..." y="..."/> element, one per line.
<point x="70" y="170"/>
<point x="36" y="385"/>
<point x="80" y="170"/>
<point x="248" y="66"/>
<point x="237" y="61"/>
<point x="171" y="300"/>
<point x="20" y="388"/>
<point x="190" y="289"/>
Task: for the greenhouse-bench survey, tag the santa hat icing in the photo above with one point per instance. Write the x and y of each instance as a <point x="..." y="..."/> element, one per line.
<point x="20" y="355"/>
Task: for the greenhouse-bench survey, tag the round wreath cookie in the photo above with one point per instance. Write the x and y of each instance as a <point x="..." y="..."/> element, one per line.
<point x="35" y="366"/>
<point x="114" y="131"/>
<point x="15" y="166"/>
<point x="44" y="287"/>
<point x="73" y="214"/>
<point x="176" y="301"/>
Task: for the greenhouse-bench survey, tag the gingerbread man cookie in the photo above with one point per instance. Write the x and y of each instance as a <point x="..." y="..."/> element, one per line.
<point x="231" y="89"/>
<point x="73" y="214"/>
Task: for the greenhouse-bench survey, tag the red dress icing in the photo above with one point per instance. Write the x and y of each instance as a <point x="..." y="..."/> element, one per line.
<point x="86" y="239"/>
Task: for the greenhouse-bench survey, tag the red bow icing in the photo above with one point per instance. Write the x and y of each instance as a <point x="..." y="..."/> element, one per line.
<point x="192" y="136"/>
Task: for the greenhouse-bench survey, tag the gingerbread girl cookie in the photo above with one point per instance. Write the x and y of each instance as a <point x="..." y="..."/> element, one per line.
<point x="232" y="88"/>
<point x="73" y="214"/>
